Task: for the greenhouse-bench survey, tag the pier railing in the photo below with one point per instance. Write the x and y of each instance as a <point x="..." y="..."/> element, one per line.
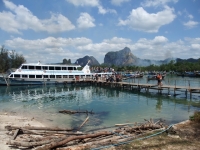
<point x="185" y="85"/>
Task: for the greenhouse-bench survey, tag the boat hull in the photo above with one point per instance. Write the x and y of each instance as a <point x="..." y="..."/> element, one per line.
<point x="17" y="82"/>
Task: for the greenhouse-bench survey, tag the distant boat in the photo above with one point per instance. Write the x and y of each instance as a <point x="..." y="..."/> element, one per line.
<point x="132" y="75"/>
<point x="152" y="76"/>
<point x="188" y="74"/>
<point x="197" y="74"/>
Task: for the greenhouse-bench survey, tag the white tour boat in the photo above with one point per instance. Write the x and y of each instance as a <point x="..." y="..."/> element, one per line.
<point x="35" y="74"/>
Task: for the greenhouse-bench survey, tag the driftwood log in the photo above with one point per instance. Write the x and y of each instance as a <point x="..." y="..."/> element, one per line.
<point x="63" y="142"/>
<point x="9" y="127"/>
<point x="74" y="112"/>
<point x="45" y="138"/>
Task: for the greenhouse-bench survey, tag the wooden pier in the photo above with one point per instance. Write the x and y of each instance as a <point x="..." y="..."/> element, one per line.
<point x="145" y="86"/>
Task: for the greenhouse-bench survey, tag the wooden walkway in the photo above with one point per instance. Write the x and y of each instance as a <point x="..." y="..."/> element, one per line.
<point x="146" y="87"/>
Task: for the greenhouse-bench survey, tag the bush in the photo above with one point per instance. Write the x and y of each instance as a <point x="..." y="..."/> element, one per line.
<point x="195" y="117"/>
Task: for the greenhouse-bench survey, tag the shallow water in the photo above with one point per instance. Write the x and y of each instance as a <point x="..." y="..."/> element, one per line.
<point x="110" y="105"/>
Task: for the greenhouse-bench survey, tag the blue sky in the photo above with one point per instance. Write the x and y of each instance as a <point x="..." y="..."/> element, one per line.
<point x="51" y="30"/>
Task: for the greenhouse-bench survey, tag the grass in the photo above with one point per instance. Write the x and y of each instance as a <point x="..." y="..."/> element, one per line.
<point x="159" y="142"/>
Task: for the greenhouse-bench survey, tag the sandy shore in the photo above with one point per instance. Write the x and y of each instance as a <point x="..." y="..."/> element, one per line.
<point x="9" y="119"/>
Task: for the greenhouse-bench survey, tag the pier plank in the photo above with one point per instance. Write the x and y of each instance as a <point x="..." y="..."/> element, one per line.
<point x="129" y="85"/>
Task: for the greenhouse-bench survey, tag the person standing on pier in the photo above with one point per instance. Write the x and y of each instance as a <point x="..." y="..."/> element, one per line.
<point x="159" y="78"/>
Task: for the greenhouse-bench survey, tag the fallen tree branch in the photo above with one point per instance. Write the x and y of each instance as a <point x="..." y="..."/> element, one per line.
<point x="9" y="127"/>
<point x="84" y="122"/>
<point x="57" y="144"/>
<point x="74" y="112"/>
<point x="33" y="144"/>
<point x="15" y="134"/>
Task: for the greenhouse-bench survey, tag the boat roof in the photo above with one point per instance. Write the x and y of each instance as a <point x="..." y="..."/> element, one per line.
<point x="40" y="64"/>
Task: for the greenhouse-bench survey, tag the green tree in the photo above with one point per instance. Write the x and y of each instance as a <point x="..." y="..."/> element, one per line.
<point x="65" y="61"/>
<point x="69" y="61"/>
<point x="9" y="59"/>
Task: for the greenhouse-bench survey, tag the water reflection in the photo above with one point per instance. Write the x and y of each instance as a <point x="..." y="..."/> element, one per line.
<point x="111" y="105"/>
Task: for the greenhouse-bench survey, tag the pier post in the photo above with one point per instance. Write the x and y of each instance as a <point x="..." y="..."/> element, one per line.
<point x="186" y="93"/>
<point x="175" y="89"/>
<point x="189" y="89"/>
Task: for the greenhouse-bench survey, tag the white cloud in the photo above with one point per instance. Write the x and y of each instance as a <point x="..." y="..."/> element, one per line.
<point x="102" y="10"/>
<point x="91" y="3"/>
<point x="22" y="19"/>
<point x="190" y="24"/>
<point x="52" y="49"/>
<point x="190" y="16"/>
<point x="8" y="23"/>
<point x="116" y="40"/>
<point x="45" y="49"/>
<point x="156" y="3"/>
<point x="85" y="21"/>
<point x="118" y="2"/>
<point x="192" y="40"/>
<point x="160" y="40"/>
<point x="47" y="42"/>
<point x="141" y="20"/>
<point x="195" y="46"/>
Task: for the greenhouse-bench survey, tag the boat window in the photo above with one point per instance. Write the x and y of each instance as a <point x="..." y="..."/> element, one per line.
<point x="24" y="67"/>
<point x="58" y="76"/>
<point x="79" y="68"/>
<point x="65" y="76"/>
<point x="11" y="75"/>
<point x="64" y="68"/>
<point x="51" y="68"/>
<point x="46" y="76"/>
<point x="82" y="76"/>
<point x="24" y="76"/>
<point x="88" y="76"/>
<point x="45" y="67"/>
<point x="31" y="67"/>
<point x="52" y="76"/>
<point x="74" y="68"/>
<point x="71" y="76"/>
<point x="38" y="67"/>
<point x="57" y="68"/>
<point x="17" y="75"/>
<point x="38" y="76"/>
<point x="70" y="68"/>
<point x="31" y="76"/>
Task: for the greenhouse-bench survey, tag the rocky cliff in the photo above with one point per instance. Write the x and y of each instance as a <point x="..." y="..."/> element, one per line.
<point x="124" y="57"/>
<point x="83" y="61"/>
<point x="120" y="58"/>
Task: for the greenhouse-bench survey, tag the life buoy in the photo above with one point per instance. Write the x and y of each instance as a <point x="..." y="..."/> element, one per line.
<point x="70" y="71"/>
<point x="44" y="71"/>
<point x="19" y="70"/>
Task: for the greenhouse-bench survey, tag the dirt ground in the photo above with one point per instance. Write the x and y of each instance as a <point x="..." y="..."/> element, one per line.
<point x="182" y="136"/>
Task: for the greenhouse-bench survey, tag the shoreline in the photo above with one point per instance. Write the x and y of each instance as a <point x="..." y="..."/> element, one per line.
<point x="21" y="120"/>
<point x="14" y="119"/>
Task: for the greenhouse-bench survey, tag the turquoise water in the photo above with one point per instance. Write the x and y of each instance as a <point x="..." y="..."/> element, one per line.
<point x="110" y="105"/>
